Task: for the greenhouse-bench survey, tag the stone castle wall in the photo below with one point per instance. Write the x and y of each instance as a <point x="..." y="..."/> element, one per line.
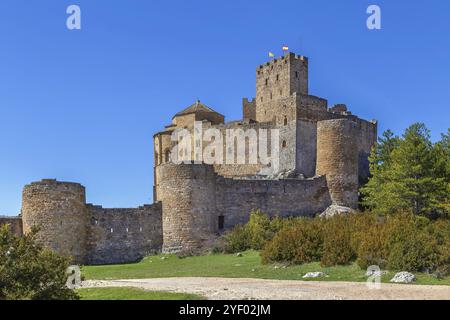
<point x="236" y="198"/>
<point x="123" y="235"/>
<point x="90" y="234"/>
<point x="58" y="209"/>
<point x="195" y="199"/>
<point x="337" y="158"/>
<point x="14" y="224"/>
<point x="188" y="200"/>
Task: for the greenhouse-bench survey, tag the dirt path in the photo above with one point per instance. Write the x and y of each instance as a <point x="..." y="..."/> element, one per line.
<point x="231" y="289"/>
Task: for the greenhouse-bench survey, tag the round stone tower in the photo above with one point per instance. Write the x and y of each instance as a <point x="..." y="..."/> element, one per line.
<point x="188" y="193"/>
<point x="337" y="158"/>
<point x="58" y="209"/>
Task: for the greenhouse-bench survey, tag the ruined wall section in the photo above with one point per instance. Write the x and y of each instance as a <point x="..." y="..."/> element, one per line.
<point x="123" y="235"/>
<point x="337" y="158"/>
<point x="367" y="137"/>
<point x="58" y="209"/>
<point x="14" y="223"/>
<point x="248" y="109"/>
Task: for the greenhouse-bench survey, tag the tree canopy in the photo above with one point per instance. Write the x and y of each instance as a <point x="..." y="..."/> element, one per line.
<point x="409" y="173"/>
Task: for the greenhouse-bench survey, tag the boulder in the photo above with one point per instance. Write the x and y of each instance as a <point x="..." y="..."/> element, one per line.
<point x="403" y="277"/>
<point x="334" y="210"/>
<point x="310" y="275"/>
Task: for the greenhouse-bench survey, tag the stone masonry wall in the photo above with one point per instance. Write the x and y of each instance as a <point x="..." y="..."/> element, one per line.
<point x="194" y="200"/>
<point x="58" y="209"/>
<point x="187" y="192"/>
<point x="123" y="235"/>
<point x="236" y="198"/>
<point x="14" y="223"/>
<point x="337" y="158"/>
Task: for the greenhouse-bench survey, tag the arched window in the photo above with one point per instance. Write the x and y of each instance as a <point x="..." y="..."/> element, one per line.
<point x="284" y="144"/>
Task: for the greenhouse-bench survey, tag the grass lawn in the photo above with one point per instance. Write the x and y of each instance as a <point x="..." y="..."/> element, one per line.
<point x="231" y="266"/>
<point x="132" y="294"/>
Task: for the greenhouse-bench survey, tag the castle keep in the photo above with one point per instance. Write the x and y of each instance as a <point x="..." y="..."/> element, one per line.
<point x="322" y="158"/>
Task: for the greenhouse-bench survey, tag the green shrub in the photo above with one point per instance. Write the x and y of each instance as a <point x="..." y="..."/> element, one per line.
<point x="237" y="240"/>
<point x="405" y="242"/>
<point x="259" y="228"/>
<point x="254" y="235"/>
<point x="441" y="231"/>
<point x="410" y="244"/>
<point x="298" y="243"/>
<point x="397" y="242"/>
<point x="337" y="248"/>
<point x="371" y="248"/>
<point x="30" y="272"/>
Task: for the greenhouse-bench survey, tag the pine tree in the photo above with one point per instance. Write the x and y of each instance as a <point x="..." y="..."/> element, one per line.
<point x="409" y="173"/>
<point x="380" y="160"/>
<point x="442" y="170"/>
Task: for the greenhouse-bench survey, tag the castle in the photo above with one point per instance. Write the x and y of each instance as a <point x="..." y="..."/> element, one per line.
<point x="322" y="157"/>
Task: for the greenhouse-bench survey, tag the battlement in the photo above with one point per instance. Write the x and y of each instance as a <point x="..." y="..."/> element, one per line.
<point x="54" y="184"/>
<point x="283" y="59"/>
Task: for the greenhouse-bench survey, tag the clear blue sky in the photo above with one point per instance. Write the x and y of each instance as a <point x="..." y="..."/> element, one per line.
<point x="83" y="105"/>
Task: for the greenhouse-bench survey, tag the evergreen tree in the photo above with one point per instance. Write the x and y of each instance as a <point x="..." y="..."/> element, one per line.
<point x="380" y="160"/>
<point x="413" y="182"/>
<point x="409" y="174"/>
<point x="442" y="170"/>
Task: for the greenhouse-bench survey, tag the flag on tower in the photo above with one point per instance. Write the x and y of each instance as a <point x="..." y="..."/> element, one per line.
<point x="271" y="55"/>
<point x="285" y="48"/>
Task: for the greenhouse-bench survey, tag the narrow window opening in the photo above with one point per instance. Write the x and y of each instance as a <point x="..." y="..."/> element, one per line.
<point x="221" y="222"/>
<point x="285" y="121"/>
<point x="284" y="144"/>
<point x="296" y="74"/>
<point x="167" y="156"/>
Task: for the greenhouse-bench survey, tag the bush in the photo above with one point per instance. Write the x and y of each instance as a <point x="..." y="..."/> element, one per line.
<point x="441" y="231"/>
<point x="337" y="248"/>
<point x="401" y="242"/>
<point x="300" y="242"/>
<point x="371" y="248"/>
<point x="30" y="272"/>
<point x="259" y="228"/>
<point x="410" y="244"/>
<point x="254" y="235"/>
<point x="406" y="242"/>
<point x="237" y="240"/>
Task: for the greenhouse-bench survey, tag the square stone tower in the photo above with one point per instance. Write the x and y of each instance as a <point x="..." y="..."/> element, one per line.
<point x="277" y="81"/>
